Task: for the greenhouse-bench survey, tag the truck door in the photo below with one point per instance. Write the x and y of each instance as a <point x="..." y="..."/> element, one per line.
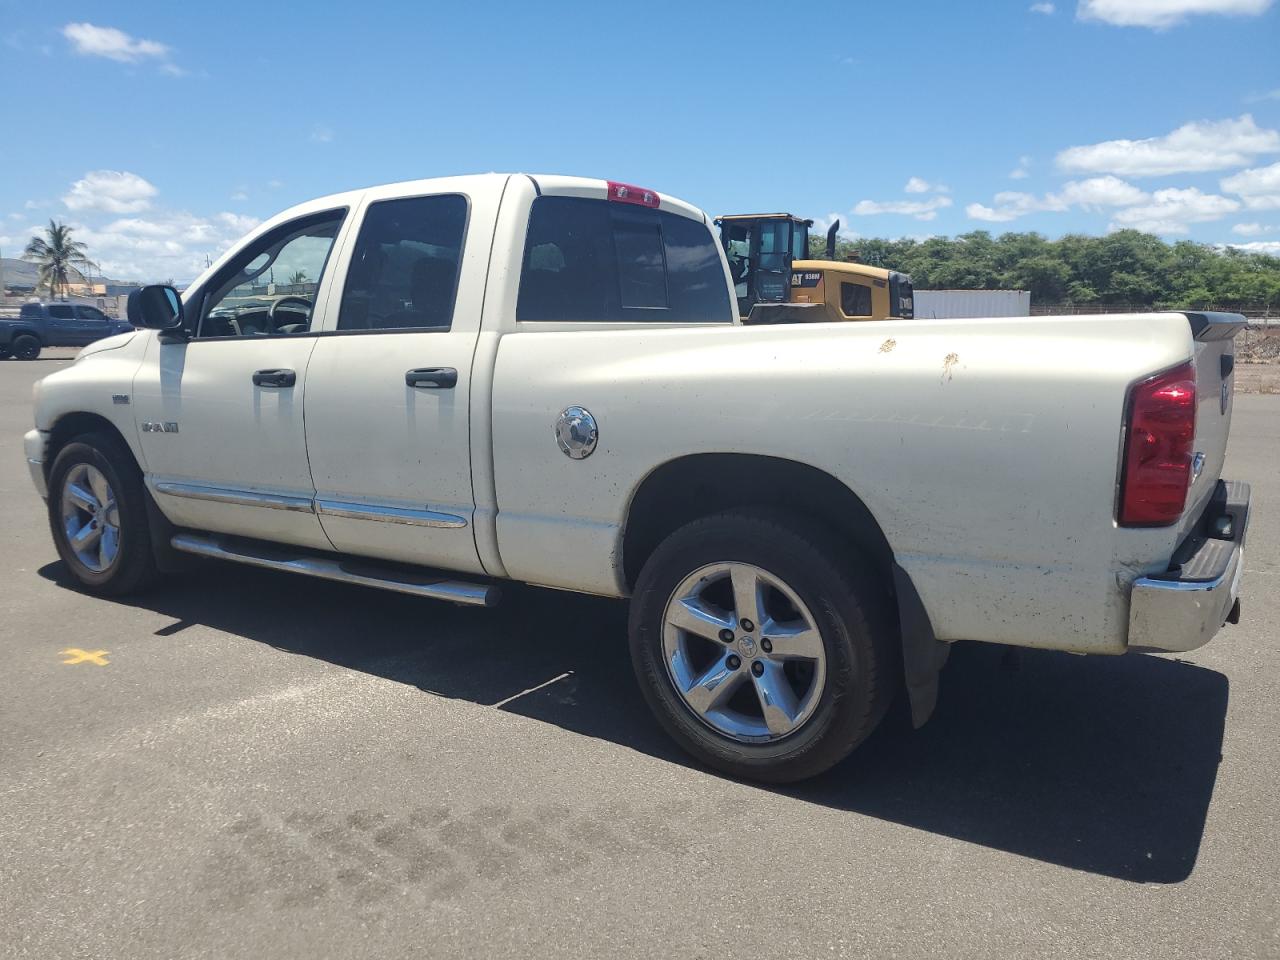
<point x="220" y="416"/>
<point x="773" y="261"/>
<point x="92" y="324"/>
<point x="62" y="330"/>
<point x="388" y="387"/>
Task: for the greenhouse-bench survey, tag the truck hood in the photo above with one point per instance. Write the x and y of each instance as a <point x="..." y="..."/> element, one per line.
<point x="106" y="343"/>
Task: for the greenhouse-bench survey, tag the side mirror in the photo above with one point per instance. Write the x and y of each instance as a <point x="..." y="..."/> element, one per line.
<point x="156" y="308"/>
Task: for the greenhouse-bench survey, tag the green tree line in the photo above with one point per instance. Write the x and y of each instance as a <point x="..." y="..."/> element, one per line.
<point x="1124" y="267"/>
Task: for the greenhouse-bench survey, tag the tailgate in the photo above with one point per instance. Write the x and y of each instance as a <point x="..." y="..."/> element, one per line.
<point x="1214" y="335"/>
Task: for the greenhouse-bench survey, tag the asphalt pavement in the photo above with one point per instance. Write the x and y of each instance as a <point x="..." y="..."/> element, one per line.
<point x="245" y="763"/>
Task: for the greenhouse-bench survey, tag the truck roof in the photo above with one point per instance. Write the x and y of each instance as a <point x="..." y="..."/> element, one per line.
<point x="843" y="266"/>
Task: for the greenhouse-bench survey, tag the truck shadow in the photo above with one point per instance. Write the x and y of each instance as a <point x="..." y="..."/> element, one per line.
<point x="1100" y="764"/>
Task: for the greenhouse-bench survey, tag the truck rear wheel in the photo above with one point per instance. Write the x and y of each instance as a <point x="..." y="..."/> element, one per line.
<point x="762" y="648"/>
<point x="98" y="515"/>
<point x="25" y="347"/>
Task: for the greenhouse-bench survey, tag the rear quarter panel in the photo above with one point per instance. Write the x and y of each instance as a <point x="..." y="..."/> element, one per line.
<point x="986" y="449"/>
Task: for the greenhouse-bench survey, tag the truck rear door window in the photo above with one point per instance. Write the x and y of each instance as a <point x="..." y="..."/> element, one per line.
<point x="594" y="261"/>
<point x="404" y="271"/>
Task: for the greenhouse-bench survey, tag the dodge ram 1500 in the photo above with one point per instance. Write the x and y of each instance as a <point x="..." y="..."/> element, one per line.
<point x="543" y="379"/>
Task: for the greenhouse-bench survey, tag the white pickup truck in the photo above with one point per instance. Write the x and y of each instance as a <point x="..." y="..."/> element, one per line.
<point x="543" y="379"/>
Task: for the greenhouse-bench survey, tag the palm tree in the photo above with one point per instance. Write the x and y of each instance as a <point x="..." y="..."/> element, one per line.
<point x="56" y="254"/>
<point x="299" y="278"/>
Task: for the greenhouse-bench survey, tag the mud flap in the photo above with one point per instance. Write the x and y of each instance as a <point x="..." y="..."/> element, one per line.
<point x="923" y="654"/>
<point x="168" y="560"/>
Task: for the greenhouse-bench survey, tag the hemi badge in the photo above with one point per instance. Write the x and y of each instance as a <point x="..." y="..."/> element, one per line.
<point x="119" y="398"/>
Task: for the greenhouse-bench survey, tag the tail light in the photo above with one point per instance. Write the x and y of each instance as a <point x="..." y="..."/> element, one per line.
<point x="627" y="193"/>
<point x="1157" y="456"/>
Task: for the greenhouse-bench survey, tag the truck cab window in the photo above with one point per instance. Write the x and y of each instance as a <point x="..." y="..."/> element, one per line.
<point x="270" y="287"/>
<point x="404" y="270"/>
<point x="591" y="261"/>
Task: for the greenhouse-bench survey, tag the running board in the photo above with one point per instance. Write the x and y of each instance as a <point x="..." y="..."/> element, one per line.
<point x="365" y="573"/>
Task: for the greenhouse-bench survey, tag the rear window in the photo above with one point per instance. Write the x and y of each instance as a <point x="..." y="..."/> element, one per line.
<point x="855" y="300"/>
<point x="595" y="261"/>
<point x="29" y="310"/>
<point x="60" y="312"/>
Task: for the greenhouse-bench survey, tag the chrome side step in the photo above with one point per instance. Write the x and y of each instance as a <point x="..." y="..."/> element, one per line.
<point x="345" y="570"/>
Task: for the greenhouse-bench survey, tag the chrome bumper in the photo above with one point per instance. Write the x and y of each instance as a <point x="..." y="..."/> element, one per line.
<point x="1184" y="607"/>
<point x="34" y="442"/>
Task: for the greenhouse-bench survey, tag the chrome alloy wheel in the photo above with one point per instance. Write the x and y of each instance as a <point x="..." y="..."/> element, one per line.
<point x="744" y="652"/>
<point x="90" y="517"/>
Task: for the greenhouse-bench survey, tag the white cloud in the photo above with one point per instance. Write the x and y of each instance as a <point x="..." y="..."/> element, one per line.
<point x="1192" y="148"/>
<point x="1171" y="210"/>
<point x="1022" y="170"/>
<point x="1092" y="194"/>
<point x="1269" y="247"/>
<point x="919" y="185"/>
<point x="920" y="209"/>
<point x="1009" y="205"/>
<point x="320" y="134"/>
<point x="1259" y="187"/>
<point x="169" y="243"/>
<point x="1251" y="229"/>
<point x="112" y="191"/>
<point x="1097" y="192"/>
<point x="240" y="195"/>
<point x="822" y="224"/>
<point x="94" y="41"/>
<point x="1161" y="14"/>
<point x="1046" y="8"/>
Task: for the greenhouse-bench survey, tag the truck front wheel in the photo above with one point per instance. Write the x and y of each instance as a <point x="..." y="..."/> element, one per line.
<point x="98" y="515"/>
<point x="763" y="648"/>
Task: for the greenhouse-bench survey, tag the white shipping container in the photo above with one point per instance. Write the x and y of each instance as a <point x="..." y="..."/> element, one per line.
<point x="932" y="304"/>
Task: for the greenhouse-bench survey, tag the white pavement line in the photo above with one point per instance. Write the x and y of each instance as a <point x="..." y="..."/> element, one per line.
<point x="503" y="703"/>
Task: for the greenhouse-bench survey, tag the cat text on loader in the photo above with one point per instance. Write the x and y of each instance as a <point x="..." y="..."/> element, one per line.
<point x="776" y="282"/>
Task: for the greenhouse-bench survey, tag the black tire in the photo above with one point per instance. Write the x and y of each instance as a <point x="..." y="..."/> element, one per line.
<point x="848" y="603"/>
<point x="134" y="565"/>
<point x="5" y="354"/>
<point x="25" y="347"/>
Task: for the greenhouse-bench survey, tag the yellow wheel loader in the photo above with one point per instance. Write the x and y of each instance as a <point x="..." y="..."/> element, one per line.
<point x="776" y="282"/>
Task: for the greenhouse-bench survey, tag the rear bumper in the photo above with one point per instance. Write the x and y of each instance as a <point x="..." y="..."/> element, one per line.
<point x="1182" y="608"/>
<point x="34" y="443"/>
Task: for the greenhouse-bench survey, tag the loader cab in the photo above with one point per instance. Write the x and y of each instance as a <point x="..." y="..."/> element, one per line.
<point x="761" y="249"/>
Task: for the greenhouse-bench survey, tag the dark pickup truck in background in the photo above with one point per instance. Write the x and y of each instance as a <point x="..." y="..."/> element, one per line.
<point x="40" y="325"/>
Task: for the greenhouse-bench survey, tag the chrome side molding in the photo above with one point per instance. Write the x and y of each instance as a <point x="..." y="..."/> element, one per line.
<point x="329" y="508"/>
<point x="244" y="498"/>
<point x="368" y="511"/>
<point x="361" y="573"/>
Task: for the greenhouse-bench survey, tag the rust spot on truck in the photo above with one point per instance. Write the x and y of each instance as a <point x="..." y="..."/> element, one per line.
<point x="948" y="362"/>
<point x="888" y="345"/>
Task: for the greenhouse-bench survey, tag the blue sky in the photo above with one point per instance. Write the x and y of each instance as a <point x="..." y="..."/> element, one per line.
<point x="163" y="130"/>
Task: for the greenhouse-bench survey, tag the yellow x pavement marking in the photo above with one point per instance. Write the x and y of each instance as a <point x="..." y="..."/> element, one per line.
<point x="76" y="655"/>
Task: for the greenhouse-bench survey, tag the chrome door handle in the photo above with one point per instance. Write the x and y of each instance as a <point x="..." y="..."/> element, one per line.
<point x="432" y="378"/>
<point x="274" y="378"/>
